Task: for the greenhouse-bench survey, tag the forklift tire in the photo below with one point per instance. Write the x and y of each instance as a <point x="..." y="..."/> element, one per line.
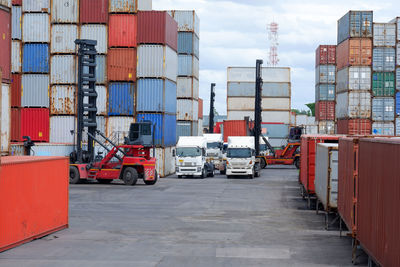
<point x="74" y="177"/>
<point x="104" y="181"/>
<point x="154" y="181"/>
<point x="297" y="163"/>
<point x="180" y="176"/>
<point x="223" y="172"/>
<point x="263" y="164"/>
<point x="130" y="176"/>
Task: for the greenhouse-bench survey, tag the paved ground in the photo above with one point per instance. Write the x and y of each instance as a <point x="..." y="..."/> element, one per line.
<point x="189" y="222"/>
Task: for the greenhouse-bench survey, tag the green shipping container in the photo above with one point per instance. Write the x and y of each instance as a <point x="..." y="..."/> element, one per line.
<point x="383" y="84"/>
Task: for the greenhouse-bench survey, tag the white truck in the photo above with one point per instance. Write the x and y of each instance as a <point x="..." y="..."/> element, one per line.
<point x="215" y="144"/>
<point x="240" y="158"/>
<point x="191" y="157"/>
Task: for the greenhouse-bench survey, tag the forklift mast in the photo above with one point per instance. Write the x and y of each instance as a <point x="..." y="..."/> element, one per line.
<point x="211" y="117"/>
<point x="257" y="107"/>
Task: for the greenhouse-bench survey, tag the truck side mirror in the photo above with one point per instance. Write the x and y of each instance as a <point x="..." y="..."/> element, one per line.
<point x="173" y="153"/>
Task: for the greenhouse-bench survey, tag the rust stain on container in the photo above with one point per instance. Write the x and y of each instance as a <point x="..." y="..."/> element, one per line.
<point x="354" y="126"/>
<point x="354" y="52"/>
<point x="121" y="64"/>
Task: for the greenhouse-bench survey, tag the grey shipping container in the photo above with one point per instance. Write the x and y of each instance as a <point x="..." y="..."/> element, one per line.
<point x="275" y="130"/>
<point x="16" y="17"/>
<point x="183" y="129"/>
<point x="188" y="44"/>
<point x="384" y="34"/>
<point x="353" y="78"/>
<point x="355" y="24"/>
<point x="36" y="6"/>
<point x="325" y="74"/>
<point x="383" y="128"/>
<point x="64" y="11"/>
<point x="268" y="89"/>
<point x="35" y="28"/>
<point x="383" y="109"/>
<point x="35" y="90"/>
<point x="398" y="79"/>
<point x="383" y="59"/>
<point x="325" y="92"/>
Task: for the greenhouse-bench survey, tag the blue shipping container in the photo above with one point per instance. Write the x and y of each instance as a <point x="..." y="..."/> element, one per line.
<point x="120" y="99"/>
<point x="398" y="104"/>
<point x="35" y="58"/>
<point x="325" y="92"/>
<point x="268" y="89"/>
<point x="383" y="59"/>
<point x="156" y="95"/>
<point x="188" y="66"/>
<point x="188" y="44"/>
<point x="183" y="129"/>
<point x="383" y="109"/>
<point x="355" y="24"/>
<point x="165" y="127"/>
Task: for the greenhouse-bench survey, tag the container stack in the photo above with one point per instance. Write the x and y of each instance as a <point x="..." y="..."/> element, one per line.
<point x="397" y="75"/>
<point x="383" y="78"/>
<point x="353" y="77"/>
<point x="325" y="87"/>
<point x="187" y="111"/>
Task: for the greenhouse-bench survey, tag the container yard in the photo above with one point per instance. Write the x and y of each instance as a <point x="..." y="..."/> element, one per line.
<point x="262" y="143"/>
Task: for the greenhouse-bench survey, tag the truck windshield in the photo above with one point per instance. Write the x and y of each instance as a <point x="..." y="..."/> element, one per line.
<point x="213" y="145"/>
<point x="239" y="153"/>
<point x="188" y="152"/>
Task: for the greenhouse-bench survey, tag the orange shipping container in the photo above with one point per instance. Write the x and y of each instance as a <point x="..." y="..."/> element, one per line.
<point x="33" y="198"/>
<point x="354" y="52"/>
<point x="200" y="108"/>
<point x="122" y="30"/>
<point x="121" y="64"/>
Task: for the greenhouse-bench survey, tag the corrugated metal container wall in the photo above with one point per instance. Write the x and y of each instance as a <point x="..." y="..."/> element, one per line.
<point x="35" y="28"/>
<point x="157" y="27"/>
<point x="383" y="128"/>
<point x="325" y="74"/>
<point x="63" y="37"/>
<point x="269" y="89"/>
<point x="35" y="90"/>
<point x="383" y="84"/>
<point x="122" y="30"/>
<point x="60" y="129"/>
<point x="6" y="3"/>
<point x="195" y="127"/>
<point x="188" y="44"/>
<point x="35" y="58"/>
<point x="93" y="11"/>
<point x="36" y="6"/>
<point x="64" y="11"/>
<point x="200" y="109"/>
<point x="187" y="21"/>
<point x="118" y="128"/>
<point x="62" y="100"/>
<point x="16" y="2"/>
<point x="325" y="92"/>
<point x="384" y="34"/>
<point x="156" y="95"/>
<point x="53" y="150"/>
<point x="63" y="69"/>
<point x="95" y="32"/>
<point x="101" y="69"/>
<point x="383" y="109"/>
<point x="183" y="128"/>
<point x="156" y="61"/>
<point x="355" y="24"/>
<point x="187" y="110"/>
<point x="188" y="66"/>
<point x="270" y="75"/>
<point x="384" y="59"/>
<point x="398" y="103"/>
<point x="354" y="127"/>
<point x="123" y="6"/>
<point x="397" y="126"/>
<point x="101" y="100"/>
<point x="187" y="87"/>
<point x="325" y="54"/>
<point x="101" y="126"/>
<point x="35" y="123"/>
<point x="165" y="127"/>
<point x="16" y="90"/>
<point x="5" y="118"/>
<point x="121" y="64"/>
<point x="16" y="17"/>
<point x="353" y="78"/>
<point x="15" y="132"/>
<point x="326" y="127"/>
<point x="354" y="52"/>
<point x="325" y="110"/>
<point x="275" y="130"/>
<point x="16" y="65"/>
<point x="377" y="227"/>
<point x="165" y="164"/>
<point x="5" y="44"/>
<point x="267" y="116"/>
<point x="398" y="78"/>
<point x="355" y="104"/>
<point x="200" y="127"/>
<point x="311" y="129"/>
<point x="235" y="128"/>
<point x="241" y="103"/>
<point x="398" y="54"/>
<point x="121" y="99"/>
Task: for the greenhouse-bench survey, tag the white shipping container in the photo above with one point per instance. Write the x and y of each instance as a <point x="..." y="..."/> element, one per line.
<point x="101" y="126"/>
<point x="52" y="149"/>
<point x="301" y="120"/>
<point x="310" y="120"/>
<point x="311" y="129"/>
<point x="64" y="11"/>
<point x="118" y="127"/>
<point x="96" y="32"/>
<point x="187" y="87"/>
<point x="35" y="28"/>
<point x="16" y="57"/>
<point x="187" y="21"/>
<point x="187" y="110"/>
<point x="63" y="69"/>
<point x="326" y="175"/>
<point x="267" y="116"/>
<point x="16" y="17"/>
<point x="293" y="118"/>
<point x="36" y="6"/>
<point x="62" y="100"/>
<point x="384" y="34"/>
<point x="5" y="118"/>
<point x="200" y="125"/>
<point x="188" y="65"/>
<point x="165" y="164"/>
<point x="63" y="38"/>
<point x="60" y="129"/>
<point x="354" y="104"/>
<point x="101" y="102"/>
<point x="383" y="128"/>
<point x="35" y="90"/>
<point x="353" y="78"/>
<point x="397" y="126"/>
<point x="269" y="74"/>
<point x="6" y="3"/>
<point x="157" y="61"/>
<point x="326" y="127"/>
<point x="145" y="5"/>
<point x="398" y="55"/>
<point x="247" y="103"/>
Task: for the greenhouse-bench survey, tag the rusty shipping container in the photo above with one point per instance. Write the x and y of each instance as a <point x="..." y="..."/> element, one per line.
<point x="354" y="52"/>
<point x="121" y="64"/>
<point x="355" y="24"/>
<point x="5" y="44"/>
<point x="37" y="204"/>
<point x="354" y="126"/>
<point x="325" y="110"/>
<point x="325" y="55"/>
<point x="62" y="99"/>
<point x="16" y="90"/>
<point x="122" y="30"/>
<point x="93" y="11"/>
<point x="157" y="27"/>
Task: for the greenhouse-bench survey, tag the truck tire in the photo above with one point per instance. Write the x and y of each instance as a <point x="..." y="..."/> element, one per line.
<point x="263" y="163"/>
<point x="223" y="172"/>
<point x="154" y="181"/>
<point x="251" y="176"/>
<point x="104" y="181"/>
<point x="130" y="176"/>
<point x="74" y="177"/>
<point x="180" y="176"/>
<point x="203" y="173"/>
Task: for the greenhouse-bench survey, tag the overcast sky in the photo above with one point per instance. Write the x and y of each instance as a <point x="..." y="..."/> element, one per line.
<point x="233" y="33"/>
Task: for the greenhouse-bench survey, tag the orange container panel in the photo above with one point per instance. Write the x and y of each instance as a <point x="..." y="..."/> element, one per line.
<point x="121" y="64"/>
<point x="33" y="198"/>
<point x="122" y="30"/>
<point x="354" y="52"/>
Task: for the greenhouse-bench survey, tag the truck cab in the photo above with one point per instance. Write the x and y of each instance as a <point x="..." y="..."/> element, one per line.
<point x="214" y="149"/>
<point x="191" y="157"/>
<point x="241" y="157"/>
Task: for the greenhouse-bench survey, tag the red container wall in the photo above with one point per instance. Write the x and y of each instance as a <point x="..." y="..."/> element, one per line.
<point x="16" y="90"/>
<point x="354" y="52"/>
<point x="35" y="123"/>
<point x="325" y="54"/>
<point x="378" y="200"/>
<point x="121" y="64"/>
<point x="157" y="27"/>
<point x="5" y="45"/>
<point x="122" y="30"/>
<point x="200" y="108"/>
<point x="325" y="110"/>
<point x="354" y="126"/>
<point x="93" y="11"/>
<point x="217" y="128"/>
<point x="34" y="195"/>
<point x="16" y="125"/>
<point x="235" y="128"/>
<point x="17" y="2"/>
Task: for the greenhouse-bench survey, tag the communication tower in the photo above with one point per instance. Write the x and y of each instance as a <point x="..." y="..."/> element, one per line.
<point x="272" y="29"/>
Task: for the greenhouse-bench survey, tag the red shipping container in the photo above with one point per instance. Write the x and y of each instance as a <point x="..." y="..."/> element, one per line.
<point x="157" y="27"/>
<point x="325" y="110"/>
<point x="33" y="198"/>
<point x="235" y="128"/>
<point x="5" y="45"/>
<point x="200" y="108"/>
<point x="16" y="90"/>
<point x="217" y="127"/>
<point x="93" y="11"/>
<point x="354" y="126"/>
<point x="354" y="52"/>
<point x="17" y="2"/>
<point x="121" y="64"/>
<point x="307" y="158"/>
<point x="378" y="219"/>
<point x="122" y="30"/>
<point x="325" y="54"/>
<point x="16" y="125"/>
<point x="35" y="123"/>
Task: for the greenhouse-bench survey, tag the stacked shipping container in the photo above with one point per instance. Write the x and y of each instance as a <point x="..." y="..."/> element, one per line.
<point x="396" y="21"/>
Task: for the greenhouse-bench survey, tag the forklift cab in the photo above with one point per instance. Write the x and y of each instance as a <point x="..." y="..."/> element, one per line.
<point x="140" y="133"/>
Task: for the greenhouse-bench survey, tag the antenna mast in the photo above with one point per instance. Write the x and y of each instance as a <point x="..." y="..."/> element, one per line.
<point x="272" y="29"/>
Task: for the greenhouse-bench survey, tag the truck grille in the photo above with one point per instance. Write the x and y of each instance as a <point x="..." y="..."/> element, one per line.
<point x="188" y="164"/>
<point x="188" y="170"/>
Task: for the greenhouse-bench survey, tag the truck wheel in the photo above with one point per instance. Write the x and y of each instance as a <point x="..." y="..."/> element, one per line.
<point x="180" y="176"/>
<point x="223" y="172"/>
<point x="297" y="163"/>
<point x="104" y="181"/>
<point x="74" y="177"/>
<point x="263" y="164"/>
<point x="203" y="173"/>
<point x="130" y="176"/>
<point x="154" y="181"/>
<point x="212" y="173"/>
<point x="251" y="176"/>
